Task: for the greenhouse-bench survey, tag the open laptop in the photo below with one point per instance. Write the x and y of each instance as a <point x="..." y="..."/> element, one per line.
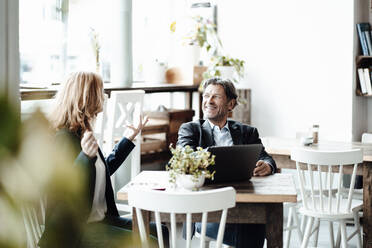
<point x="234" y="163"/>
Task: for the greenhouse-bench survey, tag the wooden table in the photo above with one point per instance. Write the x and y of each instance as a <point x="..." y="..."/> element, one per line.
<point x="258" y="201"/>
<point x="280" y="149"/>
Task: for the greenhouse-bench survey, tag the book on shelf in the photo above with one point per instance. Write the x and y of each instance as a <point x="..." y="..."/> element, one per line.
<point x="368" y="39"/>
<point x="367" y="80"/>
<point x="361" y="28"/>
<point x="362" y="82"/>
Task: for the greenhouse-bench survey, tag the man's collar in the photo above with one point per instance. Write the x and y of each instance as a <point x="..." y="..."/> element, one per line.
<point x="212" y="125"/>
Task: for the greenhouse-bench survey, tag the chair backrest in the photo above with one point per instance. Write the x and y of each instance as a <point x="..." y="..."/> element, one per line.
<point x="367" y="138"/>
<point x="182" y="203"/>
<point x="320" y="165"/>
<point x="99" y="128"/>
<point x="34" y="219"/>
<point x="124" y="107"/>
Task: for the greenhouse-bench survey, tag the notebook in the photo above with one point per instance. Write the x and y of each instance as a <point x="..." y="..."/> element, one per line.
<point x="234" y="163"/>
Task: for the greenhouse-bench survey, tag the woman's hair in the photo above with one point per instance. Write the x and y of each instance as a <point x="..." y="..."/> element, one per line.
<point x="78" y="102"/>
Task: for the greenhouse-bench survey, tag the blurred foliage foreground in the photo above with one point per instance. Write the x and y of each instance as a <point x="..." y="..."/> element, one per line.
<point x="33" y="166"/>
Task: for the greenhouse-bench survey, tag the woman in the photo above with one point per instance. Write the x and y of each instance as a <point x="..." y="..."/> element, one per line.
<point x="93" y="221"/>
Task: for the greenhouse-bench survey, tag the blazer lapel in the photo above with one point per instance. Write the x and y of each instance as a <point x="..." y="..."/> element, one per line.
<point x="207" y="137"/>
<point x="235" y="134"/>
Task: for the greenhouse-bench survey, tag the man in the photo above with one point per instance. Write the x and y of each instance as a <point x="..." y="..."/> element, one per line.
<point x="219" y="98"/>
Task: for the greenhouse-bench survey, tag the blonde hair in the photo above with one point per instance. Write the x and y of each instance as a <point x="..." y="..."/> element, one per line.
<point x="78" y="102"/>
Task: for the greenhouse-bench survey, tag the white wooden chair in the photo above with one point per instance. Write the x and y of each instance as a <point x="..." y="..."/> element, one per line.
<point x="367" y="138"/>
<point x="123" y="107"/>
<point x="101" y="122"/>
<point x="293" y="222"/>
<point x="34" y="219"/>
<point x="327" y="206"/>
<point x="188" y="203"/>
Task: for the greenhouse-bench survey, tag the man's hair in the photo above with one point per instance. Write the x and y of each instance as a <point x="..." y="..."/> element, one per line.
<point x="78" y="101"/>
<point x="227" y="85"/>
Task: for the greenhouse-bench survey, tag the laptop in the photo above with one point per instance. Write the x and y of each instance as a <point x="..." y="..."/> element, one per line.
<point x="234" y="163"/>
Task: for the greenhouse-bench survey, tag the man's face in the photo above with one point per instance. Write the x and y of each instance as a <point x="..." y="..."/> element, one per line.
<point x="215" y="103"/>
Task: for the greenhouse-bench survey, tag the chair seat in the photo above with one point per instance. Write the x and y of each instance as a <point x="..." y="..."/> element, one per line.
<point x="356" y="205"/>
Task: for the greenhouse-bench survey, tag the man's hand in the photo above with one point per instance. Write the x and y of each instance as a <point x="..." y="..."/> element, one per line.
<point x="89" y="144"/>
<point x="262" y="169"/>
<point x="132" y="130"/>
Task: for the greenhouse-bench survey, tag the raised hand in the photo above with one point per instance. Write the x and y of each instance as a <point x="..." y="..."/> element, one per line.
<point x="89" y="144"/>
<point x="132" y="131"/>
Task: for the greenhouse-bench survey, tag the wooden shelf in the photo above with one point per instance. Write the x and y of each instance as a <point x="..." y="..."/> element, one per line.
<point x="360" y="58"/>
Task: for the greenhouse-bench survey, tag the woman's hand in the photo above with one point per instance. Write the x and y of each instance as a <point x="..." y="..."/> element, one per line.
<point x="132" y="131"/>
<point x="89" y="144"/>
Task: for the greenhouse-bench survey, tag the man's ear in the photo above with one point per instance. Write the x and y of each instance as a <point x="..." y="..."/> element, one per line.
<point x="231" y="105"/>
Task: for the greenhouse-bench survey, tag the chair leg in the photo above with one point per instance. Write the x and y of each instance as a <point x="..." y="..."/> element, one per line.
<point x="317" y="226"/>
<point x="343" y="234"/>
<point x="299" y="232"/>
<point x="289" y="224"/>
<point x="303" y="223"/>
<point x="338" y="241"/>
<point x="331" y="235"/>
<point x="307" y="234"/>
<point x="357" y="226"/>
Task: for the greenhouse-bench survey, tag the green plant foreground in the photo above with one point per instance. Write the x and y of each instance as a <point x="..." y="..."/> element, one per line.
<point x="186" y="161"/>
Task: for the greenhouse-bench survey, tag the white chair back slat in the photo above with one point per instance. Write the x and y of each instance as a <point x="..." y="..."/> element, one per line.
<point x="329" y="189"/>
<point x="99" y="128"/>
<point x="34" y="219"/>
<point x="320" y="182"/>
<point x="311" y="181"/>
<point x="339" y="188"/>
<point x="221" y="229"/>
<point x="203" y="229"/>
<point x="158" y="229"/>
<point x="36" y="224"/>
<point x="183" y="203"/>
<point x="318" y="198"/>
<point x="351" y="190"/>
<point x="42" y="210"/>
<point x="188" y="230"/>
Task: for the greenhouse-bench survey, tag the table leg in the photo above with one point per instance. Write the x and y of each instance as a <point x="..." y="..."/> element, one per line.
<point x="367" y="204"/>
<point x="274" y="225"/>
<point x="146" y="222"/>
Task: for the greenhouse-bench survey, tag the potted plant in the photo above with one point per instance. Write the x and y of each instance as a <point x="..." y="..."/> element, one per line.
<point x="226" y="67"/>
<point x="203" y="35"/>
<point x="188" y="168"/>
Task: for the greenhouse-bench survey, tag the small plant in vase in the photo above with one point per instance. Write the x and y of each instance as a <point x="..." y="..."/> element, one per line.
<point x="225" y="66"/>
<point x="189" y="168"/>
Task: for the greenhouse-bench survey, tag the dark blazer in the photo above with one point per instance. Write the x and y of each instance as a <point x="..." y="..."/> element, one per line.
<point x="58" y="231"/>
<point x="199" y="133"/>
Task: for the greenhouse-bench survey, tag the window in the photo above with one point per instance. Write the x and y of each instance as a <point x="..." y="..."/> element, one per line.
<point x="56" y="38"/>
<point x="59" y="36"/>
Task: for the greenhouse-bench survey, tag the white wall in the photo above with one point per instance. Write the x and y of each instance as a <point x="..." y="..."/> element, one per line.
<point x="299" y="62"/>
